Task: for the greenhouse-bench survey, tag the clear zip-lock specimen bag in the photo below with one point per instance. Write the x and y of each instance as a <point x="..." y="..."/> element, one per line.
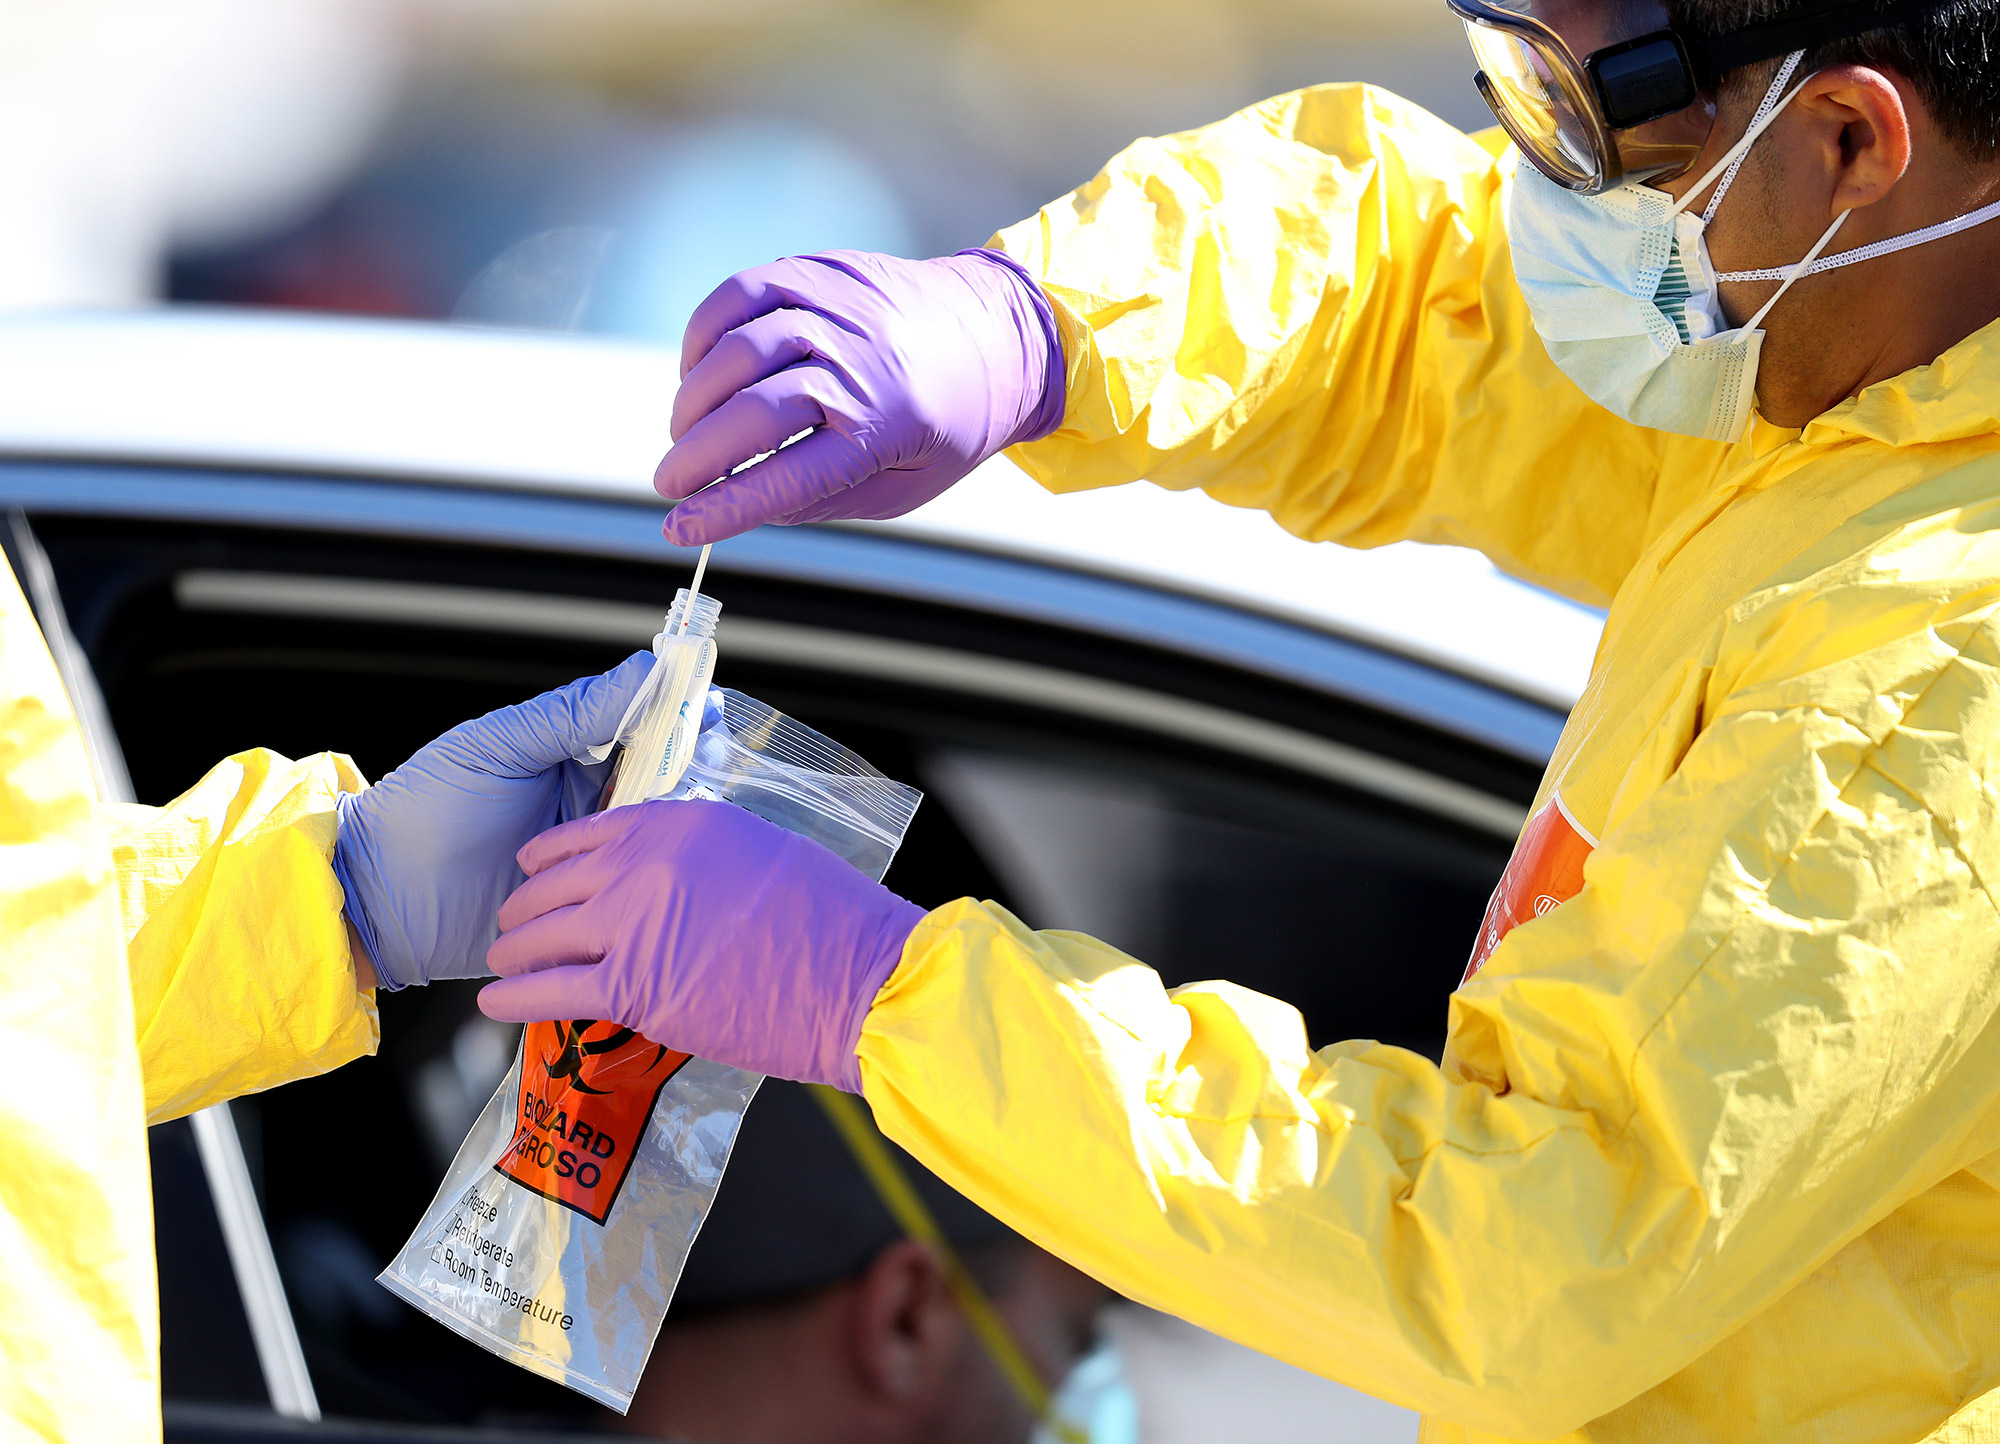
<point x="562" y="1227"/>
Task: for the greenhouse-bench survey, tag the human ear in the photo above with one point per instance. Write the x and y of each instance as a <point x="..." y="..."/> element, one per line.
<point x="1859" y="129"/>
<point x="905" y="1329"/>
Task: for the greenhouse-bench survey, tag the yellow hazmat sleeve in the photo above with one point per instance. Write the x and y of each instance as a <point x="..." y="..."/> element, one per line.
<point x="79" y="1306"/>
<point x="238" y="953"/>
<point x="1770" y="1019"/>
<point x="1310" y="309"/>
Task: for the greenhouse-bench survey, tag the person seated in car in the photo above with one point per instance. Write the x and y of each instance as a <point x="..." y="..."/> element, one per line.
<point x="805" y="1316"/>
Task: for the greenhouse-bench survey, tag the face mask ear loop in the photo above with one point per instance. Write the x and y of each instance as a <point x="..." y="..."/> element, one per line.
<point x="1726" y="168"/>
<point x="1766" y="116"/>
<point x="1879" y="249"/>
<point x="1798" y="271"/>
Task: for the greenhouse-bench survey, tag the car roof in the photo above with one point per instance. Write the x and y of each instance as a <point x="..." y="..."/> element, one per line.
<point x="589" y="416"/>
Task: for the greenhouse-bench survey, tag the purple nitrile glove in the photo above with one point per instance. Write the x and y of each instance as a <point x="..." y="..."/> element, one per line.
<point x="908" y="373"/>
<point x="708" y="930"/>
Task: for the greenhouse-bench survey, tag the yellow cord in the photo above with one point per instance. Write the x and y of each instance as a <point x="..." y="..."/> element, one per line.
<point x="907" y="1208"/>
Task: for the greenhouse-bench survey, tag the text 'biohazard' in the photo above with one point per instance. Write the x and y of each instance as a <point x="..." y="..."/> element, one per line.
<point x="587" y="1091"/>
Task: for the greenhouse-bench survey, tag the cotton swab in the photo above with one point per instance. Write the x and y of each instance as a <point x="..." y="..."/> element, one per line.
<point x="694" y="587"/>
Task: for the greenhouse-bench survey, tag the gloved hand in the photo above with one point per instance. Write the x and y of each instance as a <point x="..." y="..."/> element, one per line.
<point x="913" y="372"/>
<point x="708" y="930"/>
<point x="426" y="855"/>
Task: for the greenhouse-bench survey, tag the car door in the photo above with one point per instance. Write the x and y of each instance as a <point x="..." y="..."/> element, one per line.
<point x="1219" y="793"/>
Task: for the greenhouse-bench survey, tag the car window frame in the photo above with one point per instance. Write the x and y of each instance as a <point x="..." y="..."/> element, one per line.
<point x="1419" y="690"/>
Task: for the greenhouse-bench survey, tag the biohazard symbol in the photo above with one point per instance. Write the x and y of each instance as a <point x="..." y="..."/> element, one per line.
<point x="579" y="1124"/>
<point x="573" y="1048"/>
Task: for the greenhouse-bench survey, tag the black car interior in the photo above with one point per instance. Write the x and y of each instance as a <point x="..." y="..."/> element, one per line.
<point x="1201" y="862"/>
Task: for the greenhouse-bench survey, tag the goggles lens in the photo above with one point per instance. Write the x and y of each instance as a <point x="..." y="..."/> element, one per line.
<point x="1524" y="83"/>
<point x="1531" y="75"/>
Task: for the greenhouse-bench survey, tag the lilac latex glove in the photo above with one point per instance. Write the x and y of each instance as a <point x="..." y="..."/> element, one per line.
<point x="426" y="855"/>
<point x="708" y="930"/>
<point x="908" y="373"/>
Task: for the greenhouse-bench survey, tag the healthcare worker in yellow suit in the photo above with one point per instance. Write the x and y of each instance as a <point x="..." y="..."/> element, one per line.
<point x="154" y="960"/>
<point x="1711" y="1154"/>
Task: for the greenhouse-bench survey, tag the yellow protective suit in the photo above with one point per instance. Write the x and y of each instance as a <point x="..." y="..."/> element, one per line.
<point x="1711" y="1155"/>
<point x="151" y="962"/>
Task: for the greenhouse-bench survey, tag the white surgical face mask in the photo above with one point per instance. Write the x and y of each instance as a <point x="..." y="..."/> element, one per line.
<point x="1623" y="294"/>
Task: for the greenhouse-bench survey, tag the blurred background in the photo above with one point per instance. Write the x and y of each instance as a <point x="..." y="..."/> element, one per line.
<point x="598" y="165"/>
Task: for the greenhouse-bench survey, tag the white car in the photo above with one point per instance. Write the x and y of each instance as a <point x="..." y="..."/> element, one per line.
<point x="1138" y="714"/>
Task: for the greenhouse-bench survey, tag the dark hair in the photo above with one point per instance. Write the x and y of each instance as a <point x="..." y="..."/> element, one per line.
<point x="1951" y="57"/>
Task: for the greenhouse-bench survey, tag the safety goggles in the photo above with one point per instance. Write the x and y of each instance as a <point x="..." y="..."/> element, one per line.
<point x="1639" y="105"/>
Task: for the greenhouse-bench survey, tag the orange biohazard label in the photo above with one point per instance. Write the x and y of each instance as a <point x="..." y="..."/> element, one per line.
<point x="587" y="1091"/>
<point x="1545" y="872"/>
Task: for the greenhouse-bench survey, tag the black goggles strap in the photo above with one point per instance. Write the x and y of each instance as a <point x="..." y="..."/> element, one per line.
<point x="1715" y="58"/>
